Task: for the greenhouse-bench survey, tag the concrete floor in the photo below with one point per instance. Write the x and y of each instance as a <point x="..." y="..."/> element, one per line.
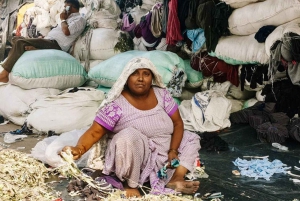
<point x="25" y="145"/>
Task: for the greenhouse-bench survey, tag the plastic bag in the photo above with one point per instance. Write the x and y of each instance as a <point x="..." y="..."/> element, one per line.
<point x="51" y="148"/>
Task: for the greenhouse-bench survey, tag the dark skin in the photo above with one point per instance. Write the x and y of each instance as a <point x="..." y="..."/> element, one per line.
<point x="140" y="94"/>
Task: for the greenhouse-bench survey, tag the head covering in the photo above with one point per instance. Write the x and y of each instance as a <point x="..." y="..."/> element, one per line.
<point x="131" y="66"/>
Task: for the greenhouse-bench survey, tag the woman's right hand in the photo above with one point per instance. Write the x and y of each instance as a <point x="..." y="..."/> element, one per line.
<point x="75" y="151"/>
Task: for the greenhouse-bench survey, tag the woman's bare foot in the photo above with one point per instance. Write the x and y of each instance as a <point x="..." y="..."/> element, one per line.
<point x="131" y="192"/>
<point x="186" y="187"/>
<point x="4" y="76"/>
<point x="28" y="48"/>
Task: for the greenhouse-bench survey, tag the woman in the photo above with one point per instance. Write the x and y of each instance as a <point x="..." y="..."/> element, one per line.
<point x="145" y="131"/>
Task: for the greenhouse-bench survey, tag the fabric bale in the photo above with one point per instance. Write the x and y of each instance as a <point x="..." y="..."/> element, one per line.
<point x="256" y="120"/>
<point x="236" y="105"/>
<point x="268" y="132"/>
<point x="168" y="64"/>
<point x="249" y="103"/>
<point x="207" y="84"/>
<point x="238" y="50"/>
<point x="211" y="115"/>
<point x="278" y="33"/>
<point x="218" y="69"/>
<point x="75" y="108"/>
<point x="136" y="13"/>
<point x="188" y="93"/>
<point x="47" y="69"/>
<point x="240" y="3"/>
<point x="280" y="118"/>
<point x="249" y="19"/>
<point x="238" y="94"/>
<point x="294" y="129"/>
<point x="15" y="101"/>
<point x="103" y="19"/>
<point x="194" y="78"/>
<point x="259" y="97"/>
<point x="148" y="4"/>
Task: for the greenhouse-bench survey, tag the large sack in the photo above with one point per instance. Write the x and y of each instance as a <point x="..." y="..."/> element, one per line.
<point x="208" y="111"/>
<point x="102" y="43"/>
<point x="237" y="50"/>
<point x="240" y="3"/>
<point x="47" y="69"/>
<point x="15" y="101"/>
<point x="66" y="111"/>
<point x="168" y="64"/>
<point x="278" y="33"/>
<point x="249" y="19"/>
<point x="194" y="78"/>
<point x="105" y="15"/>
<point x="235" y="92"/>
<point x="137" y="13"/>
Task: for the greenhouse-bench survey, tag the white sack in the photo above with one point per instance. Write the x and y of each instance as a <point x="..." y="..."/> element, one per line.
<point x="249" y="19"/>
<point x="136" y="13"/>
<point x="236" y="105"/>
<point x="102" y="45"/>
<point x="103" y="19"/>
<point x="278" y="33"/>
<point x="48" y="150"/>
<point x="15" y="101"/>
<point x="215" y="117"/>
<point x="241" y="50"/>
<point x="210" y="85"/>
<point x="240" y="3"/>
<point x="236" y="93"/>
<point x="41" y="17"/>
<point x="65" y="112"/>
<point x="148" y="4"/>
<point x="249" y="103"/>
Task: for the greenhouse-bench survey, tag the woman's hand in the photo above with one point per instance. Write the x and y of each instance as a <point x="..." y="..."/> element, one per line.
<point x="75" y="151"/>
<point x="172" y="155"/>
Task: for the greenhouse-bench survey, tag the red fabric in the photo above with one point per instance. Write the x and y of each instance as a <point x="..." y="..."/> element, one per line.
<point x="212" y="66"/>
<point x="173" y="26"/>
<point x="18" y="31"/>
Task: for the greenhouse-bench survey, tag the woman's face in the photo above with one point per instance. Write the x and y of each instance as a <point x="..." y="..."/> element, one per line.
<point x="140" y="81"/>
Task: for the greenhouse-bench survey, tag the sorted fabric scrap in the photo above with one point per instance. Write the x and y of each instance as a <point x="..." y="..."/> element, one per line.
<point x="260" y="168"/>
<point x="23" y="178"/>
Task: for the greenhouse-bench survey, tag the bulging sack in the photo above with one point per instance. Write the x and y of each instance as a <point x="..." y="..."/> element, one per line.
<point x="47" y="69"/>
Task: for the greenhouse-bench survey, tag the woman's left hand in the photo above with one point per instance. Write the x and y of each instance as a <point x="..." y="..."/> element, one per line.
<point x="171" y="155"/>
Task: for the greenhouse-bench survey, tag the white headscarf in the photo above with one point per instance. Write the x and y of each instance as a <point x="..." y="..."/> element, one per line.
<point x="131" y="66"/>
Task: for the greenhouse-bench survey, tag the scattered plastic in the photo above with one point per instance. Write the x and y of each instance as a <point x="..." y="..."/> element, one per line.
<point x="279" y="146"/>
<point x="236" y="172"/>
<point x="293" y="175"/>
<point x="11" y="138"/>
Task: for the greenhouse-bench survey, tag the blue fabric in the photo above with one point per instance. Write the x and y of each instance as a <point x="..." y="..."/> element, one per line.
<point x="260" y="168"/>
<point x="198" y="38"/>
<point x="162" y="173"/>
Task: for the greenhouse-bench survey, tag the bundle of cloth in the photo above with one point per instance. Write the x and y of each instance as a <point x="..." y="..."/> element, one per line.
<point x="270" y="125"/>
<point x="207" y="111"/>
<point x="216" y="68"/>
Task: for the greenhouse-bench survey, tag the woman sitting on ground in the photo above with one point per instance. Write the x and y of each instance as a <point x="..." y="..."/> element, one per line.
<point x="145" y="131"/>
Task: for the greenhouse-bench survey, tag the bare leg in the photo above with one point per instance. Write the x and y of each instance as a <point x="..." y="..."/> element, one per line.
<point x="28" y="48"/>
<point x="131" y="192"/>
<point x="178" y="183"/>
<point x="4" y="76"/>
